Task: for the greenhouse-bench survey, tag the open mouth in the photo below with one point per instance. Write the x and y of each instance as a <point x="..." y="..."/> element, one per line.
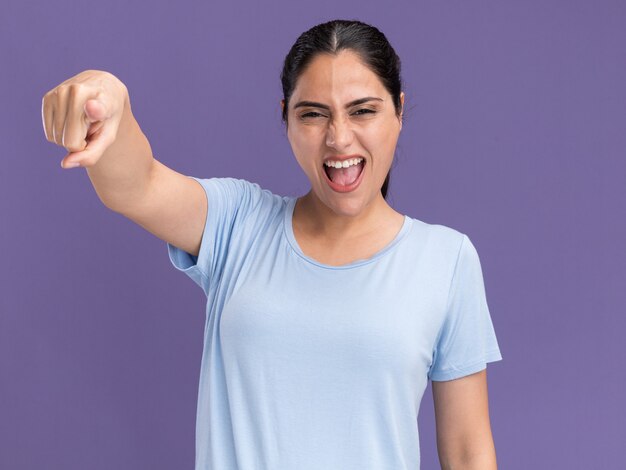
<point x="345" y="176"/>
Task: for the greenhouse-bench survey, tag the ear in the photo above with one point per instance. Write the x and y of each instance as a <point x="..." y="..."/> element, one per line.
<point x="282" y="111"/>
<point x="401" y="107"/>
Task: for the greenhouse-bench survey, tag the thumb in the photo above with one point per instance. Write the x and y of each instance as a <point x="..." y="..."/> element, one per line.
<point x="95" y="110"/>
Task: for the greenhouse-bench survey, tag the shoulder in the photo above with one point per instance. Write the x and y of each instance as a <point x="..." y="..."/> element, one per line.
<point x="232" y="186"/>
<point x="439" y="238"/>
<point x="238" y="192"/>
<point x="453" y="251"/>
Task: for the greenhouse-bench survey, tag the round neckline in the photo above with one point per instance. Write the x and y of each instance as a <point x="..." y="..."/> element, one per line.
<point x="288" y="230"/>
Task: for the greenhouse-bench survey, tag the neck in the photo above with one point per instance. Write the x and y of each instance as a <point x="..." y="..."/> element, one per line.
<point x="316" y="218"/>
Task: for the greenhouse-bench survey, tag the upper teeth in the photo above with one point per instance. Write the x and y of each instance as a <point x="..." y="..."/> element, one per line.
<point x="345" y="163"/>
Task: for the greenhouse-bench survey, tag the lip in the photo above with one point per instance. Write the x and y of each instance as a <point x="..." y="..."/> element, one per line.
<point x="345" y="189"/>
<point x="341" y="158"/>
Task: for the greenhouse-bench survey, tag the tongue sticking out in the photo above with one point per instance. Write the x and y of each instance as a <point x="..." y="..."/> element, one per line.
<point x="344" y="176"/>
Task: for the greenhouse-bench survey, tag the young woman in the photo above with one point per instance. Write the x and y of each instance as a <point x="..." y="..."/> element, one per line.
<point x="326" y="313"/>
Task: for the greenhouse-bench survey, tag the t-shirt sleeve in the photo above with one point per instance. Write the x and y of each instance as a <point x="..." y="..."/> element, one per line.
<point x="229" y="201"/>
<point x="467" y="340"/>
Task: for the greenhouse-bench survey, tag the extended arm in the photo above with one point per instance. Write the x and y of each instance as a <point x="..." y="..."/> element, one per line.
<point x="90" y="115"/>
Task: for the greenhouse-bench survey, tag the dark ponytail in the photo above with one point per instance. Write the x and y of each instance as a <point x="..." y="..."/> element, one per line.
<point x="331" y="37"/>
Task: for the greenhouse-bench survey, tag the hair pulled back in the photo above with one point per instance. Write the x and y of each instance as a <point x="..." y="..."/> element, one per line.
<point x="369" y="43"/>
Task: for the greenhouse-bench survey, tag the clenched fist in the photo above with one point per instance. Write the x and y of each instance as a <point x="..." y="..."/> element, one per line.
<point x="83" y="115"/>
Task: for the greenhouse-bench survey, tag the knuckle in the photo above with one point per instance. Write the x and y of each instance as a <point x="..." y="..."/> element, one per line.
<point x="108" y="75"/>
<point x="61" y="90"/>
<point x="74" y="89"/>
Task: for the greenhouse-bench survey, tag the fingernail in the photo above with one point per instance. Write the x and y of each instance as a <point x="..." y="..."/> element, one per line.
<point x="70" y="164"/>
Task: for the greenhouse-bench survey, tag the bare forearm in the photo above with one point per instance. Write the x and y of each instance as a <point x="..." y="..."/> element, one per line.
<point x="478" y="461"/>
<point x="122" y="174"/>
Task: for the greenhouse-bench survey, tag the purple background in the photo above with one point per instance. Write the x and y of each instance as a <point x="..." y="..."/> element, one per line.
<point x="514" y="133"/>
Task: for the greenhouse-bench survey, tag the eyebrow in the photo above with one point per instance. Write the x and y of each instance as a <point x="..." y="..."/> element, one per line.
<point x="314" y="104"/>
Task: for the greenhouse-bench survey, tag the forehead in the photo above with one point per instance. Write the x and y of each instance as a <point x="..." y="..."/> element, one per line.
<point x="340" y="77"/>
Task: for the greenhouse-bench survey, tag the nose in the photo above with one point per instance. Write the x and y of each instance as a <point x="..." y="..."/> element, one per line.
<point x="339" y="134"/>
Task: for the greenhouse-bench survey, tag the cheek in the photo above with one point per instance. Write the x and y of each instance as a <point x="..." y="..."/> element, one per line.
<point x="306" y="144"/>
<point x="380" y="140"/>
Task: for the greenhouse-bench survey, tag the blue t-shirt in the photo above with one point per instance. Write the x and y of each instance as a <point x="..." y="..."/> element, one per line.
<point x="311" y="366"/>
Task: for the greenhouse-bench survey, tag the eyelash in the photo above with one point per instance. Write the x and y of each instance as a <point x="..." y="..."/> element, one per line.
<point x="367" y="111"/>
